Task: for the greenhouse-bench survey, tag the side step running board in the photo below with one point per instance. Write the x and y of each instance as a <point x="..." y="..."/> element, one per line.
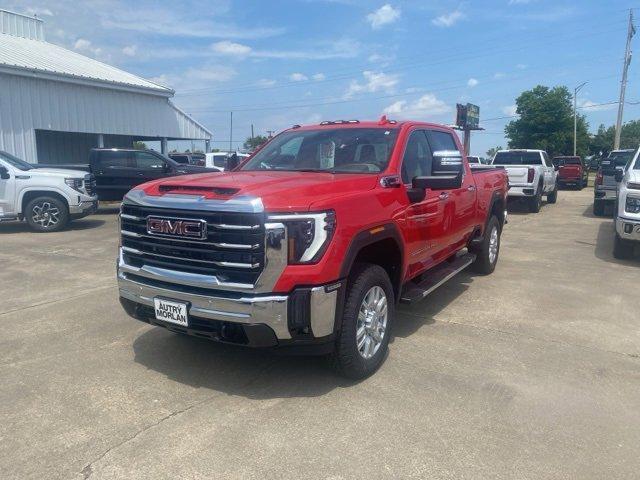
<point x="414" y="292"/>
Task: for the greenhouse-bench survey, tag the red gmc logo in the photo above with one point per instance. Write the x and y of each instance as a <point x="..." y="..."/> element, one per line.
<point x="176" y="227"/>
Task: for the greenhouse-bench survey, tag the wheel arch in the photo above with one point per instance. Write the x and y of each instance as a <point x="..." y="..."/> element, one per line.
<point x="29" y="195"/>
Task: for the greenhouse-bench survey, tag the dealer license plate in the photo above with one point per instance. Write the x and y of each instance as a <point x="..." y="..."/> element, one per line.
<point x="172" y="312"/>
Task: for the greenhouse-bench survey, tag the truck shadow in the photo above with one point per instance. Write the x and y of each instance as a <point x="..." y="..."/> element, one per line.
<point x="255" y="374"/>
<point x="76" y="225"/>
<point x="516" y="206"/>
<point x="411" y="318"/>
<point x="604" y="245"/>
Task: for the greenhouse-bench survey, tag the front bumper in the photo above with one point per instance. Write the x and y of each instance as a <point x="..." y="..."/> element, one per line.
<point x="628" y="229"/>
<point x="86" y="206"/>
<point x="306" y="315"/>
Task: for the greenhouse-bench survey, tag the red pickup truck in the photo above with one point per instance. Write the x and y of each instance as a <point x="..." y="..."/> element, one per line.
<point x="571" y="171"/>
<point x="311" y="242"/>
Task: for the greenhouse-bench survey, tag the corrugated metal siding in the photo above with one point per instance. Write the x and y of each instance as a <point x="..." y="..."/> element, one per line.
<point x="21" y="25"/>
<point x="28" y="104"/>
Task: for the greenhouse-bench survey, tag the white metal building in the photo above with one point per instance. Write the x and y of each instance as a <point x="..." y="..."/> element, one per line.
<point x="55" y="104"/>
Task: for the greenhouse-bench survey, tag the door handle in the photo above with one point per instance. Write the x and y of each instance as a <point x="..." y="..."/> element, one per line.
<point x="443" y="195"/>
<point x="471" y="188"/>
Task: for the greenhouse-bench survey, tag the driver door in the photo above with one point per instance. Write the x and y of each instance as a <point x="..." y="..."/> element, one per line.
<point x="7" y="192"/>
<point x="426" y="230"/>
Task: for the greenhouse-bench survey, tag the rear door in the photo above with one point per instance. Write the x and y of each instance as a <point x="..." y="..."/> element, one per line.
<point x="549" y="172"/>
<point x="459" y="212"/>
<point x="113" y="171"/>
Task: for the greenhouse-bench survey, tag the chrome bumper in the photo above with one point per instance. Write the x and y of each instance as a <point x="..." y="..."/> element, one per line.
<point x="521" y="191"/>
<point x="628" y="229"/>
<point x="85" y="207"/>
<point x="267" y="309"/>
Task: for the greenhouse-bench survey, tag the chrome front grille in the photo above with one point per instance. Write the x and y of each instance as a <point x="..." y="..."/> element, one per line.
<point x="232" y="252"/>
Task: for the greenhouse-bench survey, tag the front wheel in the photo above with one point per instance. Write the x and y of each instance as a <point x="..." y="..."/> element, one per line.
<point x="363" y="339"/>
<point x="46" y="214"/>
<point x="622" y="249"/>
<point x="487" y="252"/>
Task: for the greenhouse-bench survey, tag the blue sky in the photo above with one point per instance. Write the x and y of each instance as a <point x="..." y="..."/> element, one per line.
<point x="277" y="63"/>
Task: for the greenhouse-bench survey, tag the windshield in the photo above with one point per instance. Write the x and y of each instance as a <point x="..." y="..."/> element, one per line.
<point x="621" y="158"/>
<point x="15" y="161"/>
<point x="339" y="150"/>
<point x="517" y="158"/>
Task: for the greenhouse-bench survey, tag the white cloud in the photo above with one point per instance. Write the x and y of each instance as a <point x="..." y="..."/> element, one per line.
<point x="130" y="50"/>
<point x="498" y="75"/>
<point x="449" y="19"/>
<point x="318" y="77"/>
<point x="266" y="82"/>
<point x="374" y="82"/>
<point x="383" y="16"/>
<point x="38" y="12"/>
<point x="472" y="82"/>
<point x="196" y="77"/>
<point x="595" y="107"/>
<point x="85" y="46"/>
<point x="427" y="104"/>
<point x="298" y="77"/>
<point x="510" y="110"/>
<point x="521" y="66"/>
<point x="231" y="48"/>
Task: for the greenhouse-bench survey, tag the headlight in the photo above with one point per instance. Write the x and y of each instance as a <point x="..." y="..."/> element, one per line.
<point x="75" y="183"/>
<point x="632" y="205"/>
<point x="309" y="235"/>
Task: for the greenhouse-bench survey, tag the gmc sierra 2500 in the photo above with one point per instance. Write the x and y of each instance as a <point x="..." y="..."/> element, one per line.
<point x="313" y="240"/>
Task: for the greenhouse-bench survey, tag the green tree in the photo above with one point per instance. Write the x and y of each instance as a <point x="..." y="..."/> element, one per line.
<point x="546" y="122"/>
<point x="251" y="143"/>
<point x="139" y="145"/>
<point x="602" y="142"/>
<point x="492" y="152"/>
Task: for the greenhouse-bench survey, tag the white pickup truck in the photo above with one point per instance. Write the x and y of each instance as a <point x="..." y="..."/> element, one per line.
<point x="531" y="175"/>
<point x="47" y="198"/>
<point x="627" y="212"/>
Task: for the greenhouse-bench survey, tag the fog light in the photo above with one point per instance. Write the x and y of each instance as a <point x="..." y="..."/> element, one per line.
<point x="628" y="228"/>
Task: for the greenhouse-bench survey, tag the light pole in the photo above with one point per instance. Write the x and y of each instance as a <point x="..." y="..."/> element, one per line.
<point x="575" y="116"/>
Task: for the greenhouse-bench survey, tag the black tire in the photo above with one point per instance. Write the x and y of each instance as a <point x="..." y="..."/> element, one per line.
<point x="598" y="208"/>
<point x="46" y="214"/>
<point x="535" y="202"/>
<point x="622" y="249"/>
<point x="484" y="264"/>
<point x="553" y="196"/>
<point x="346" y="358"/>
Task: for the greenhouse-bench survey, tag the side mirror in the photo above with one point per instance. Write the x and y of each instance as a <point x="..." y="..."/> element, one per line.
<point x="438" y="182"/>
<point x="619" y="175"/>
<point x="232" y="162"/>
<point x="447" y="162"/>
<point x="4" y="173"/>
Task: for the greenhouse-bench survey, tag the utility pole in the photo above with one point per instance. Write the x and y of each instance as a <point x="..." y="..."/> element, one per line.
<point x="231" y="133"/>
<point x="575" y="116"/>
<point x="252" y="133"/>
<point x="623" y="86"/>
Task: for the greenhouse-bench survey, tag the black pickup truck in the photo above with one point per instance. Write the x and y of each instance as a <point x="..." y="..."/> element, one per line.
<point x="118" y="170"/>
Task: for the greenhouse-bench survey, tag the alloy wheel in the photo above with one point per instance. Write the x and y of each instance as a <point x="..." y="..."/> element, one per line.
<point x="372" y="322"/>
<point x="45" y="214"/>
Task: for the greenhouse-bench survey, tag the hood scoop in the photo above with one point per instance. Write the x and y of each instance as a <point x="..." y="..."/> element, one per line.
<point x="198" y="189"/>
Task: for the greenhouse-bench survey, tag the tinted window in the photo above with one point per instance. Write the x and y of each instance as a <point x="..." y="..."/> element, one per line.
<point x="183" y="159"/>
<point x="621" y="158"/>
<point x="335" y="150"/>
<point x="417" y="159"/>
<point x="441" y="141"/>
<point x="147" y="161"/>
<point x="114" y="159"/>
<point x="15" y="161"/>
<point x="473" y="159"/>
<point x="567" y="161"/>
<point x="517" y="158"/>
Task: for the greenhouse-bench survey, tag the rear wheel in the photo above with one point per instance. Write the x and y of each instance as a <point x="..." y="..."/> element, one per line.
<point x="553" y="196"/>
<point x="622" y="249"/>
<point x="363" y="339"/>
<point x="46" y="214"/>
<point x="487" y="252"/>
<point x="535" y="202"/>
<point x="598" y="208"/>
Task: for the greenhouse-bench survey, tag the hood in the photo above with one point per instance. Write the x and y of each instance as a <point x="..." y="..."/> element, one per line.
<point x="55" y="172"/>
<point x="634" y="175"/>
<point x="279" y="191"/>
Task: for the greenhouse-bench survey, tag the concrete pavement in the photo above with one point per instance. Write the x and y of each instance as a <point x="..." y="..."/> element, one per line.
<point x="532" y="372"/>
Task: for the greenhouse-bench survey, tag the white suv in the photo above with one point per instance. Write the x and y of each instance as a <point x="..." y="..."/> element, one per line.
<point x="47" y="198"/>
<point x="627" y="213"/>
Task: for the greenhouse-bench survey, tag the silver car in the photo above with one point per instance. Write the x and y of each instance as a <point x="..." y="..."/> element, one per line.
<point x="605" y="189"/>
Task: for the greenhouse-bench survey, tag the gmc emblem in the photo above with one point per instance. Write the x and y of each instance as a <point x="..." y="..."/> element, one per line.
<point x="176" y="227"/>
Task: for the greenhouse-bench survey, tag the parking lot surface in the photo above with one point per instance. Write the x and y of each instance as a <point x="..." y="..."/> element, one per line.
<point x="532" y="372"/>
